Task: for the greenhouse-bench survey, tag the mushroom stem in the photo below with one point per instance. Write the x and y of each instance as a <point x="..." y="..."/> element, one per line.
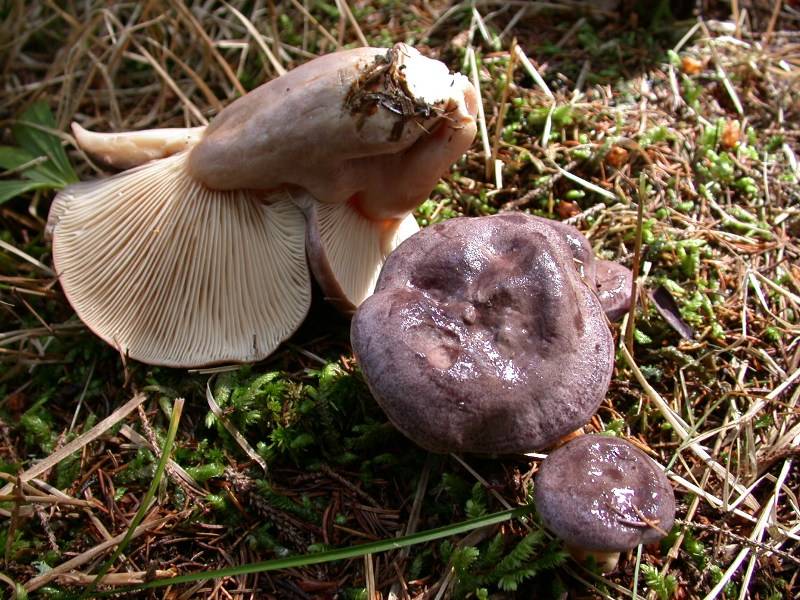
<point x="606" y="561"/>
<point x="412" y="174"/>
<point x="375" y="126"/>
<point x="134" y="148"/>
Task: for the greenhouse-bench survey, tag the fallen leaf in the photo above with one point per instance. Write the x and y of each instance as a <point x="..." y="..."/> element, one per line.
<point x="730" y="134"/>
<point x="566" y="209"/>
<point x="691" y="66"/>
<point x="667" y="307"/>
<point x="617" y="156"/>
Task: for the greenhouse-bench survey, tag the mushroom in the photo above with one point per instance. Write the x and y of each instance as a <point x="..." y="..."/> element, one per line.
<point x="602" y="495"/>
<point x="614" y="283"/>
<point x="200" y="256"/>
<point x="484" y="336"/>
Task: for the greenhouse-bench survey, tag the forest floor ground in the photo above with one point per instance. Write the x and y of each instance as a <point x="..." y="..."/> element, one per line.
<point x="588" y="118"/>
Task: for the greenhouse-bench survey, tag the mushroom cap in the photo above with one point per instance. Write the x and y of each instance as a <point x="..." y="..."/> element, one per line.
<point x="612" y="280"/>
<point x="614" y="283"/>
<point x="597" y="492"/>
<point x="171" y="273"/>
<point x="482" y="337"/>
<point x="582" y="252"/>
<point x="346" y="250"/>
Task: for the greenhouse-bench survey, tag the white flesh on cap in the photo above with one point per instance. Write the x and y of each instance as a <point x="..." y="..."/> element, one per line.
<point x="172" y="273"/>
<point x="347" y="251"/>
<point x="430" y="80"/>
<point x="134" y="148"/>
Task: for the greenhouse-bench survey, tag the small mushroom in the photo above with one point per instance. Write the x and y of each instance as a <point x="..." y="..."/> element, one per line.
<point x="484" y="336"/>
<point x="200" y="256"/>
<point x="614" y="283"/>
<point x="612" y="280"/>
<point x="602" y="495"/>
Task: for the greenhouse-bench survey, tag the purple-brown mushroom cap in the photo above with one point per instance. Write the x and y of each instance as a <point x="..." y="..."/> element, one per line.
<point x="603" y="494"/>
<point x="614" y="283"/>
<point x="612" y="280"/>
<point x="482" y="336"/>
<point x="582" y="254"/>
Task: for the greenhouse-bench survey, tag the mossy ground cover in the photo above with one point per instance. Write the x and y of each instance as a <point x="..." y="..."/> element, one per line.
<point x="683" y="135"/>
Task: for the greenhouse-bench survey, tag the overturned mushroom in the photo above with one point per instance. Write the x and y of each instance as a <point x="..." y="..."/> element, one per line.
<point x="199" y="257"/>
<point x="484" y="335"/>
<point x="603" y="495"/>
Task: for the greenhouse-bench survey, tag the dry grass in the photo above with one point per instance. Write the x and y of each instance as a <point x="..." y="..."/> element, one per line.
<point x="575" y="113"/>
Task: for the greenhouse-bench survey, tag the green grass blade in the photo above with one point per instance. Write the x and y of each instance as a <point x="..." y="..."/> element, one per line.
<point x="32" y="133"/>
<point x="340" y="553"/>
<point x="636" y="568"/>
<point x="13" y="188"/>
<point x="31" y="166"/>
<point x="175" y="418"/>
<point x="13" y="158"/>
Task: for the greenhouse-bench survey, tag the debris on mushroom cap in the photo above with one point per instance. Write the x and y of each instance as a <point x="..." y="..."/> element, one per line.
<point x="199" y="257"/>
<point x="483" y="337"/>
<point x="603" y="493"/>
